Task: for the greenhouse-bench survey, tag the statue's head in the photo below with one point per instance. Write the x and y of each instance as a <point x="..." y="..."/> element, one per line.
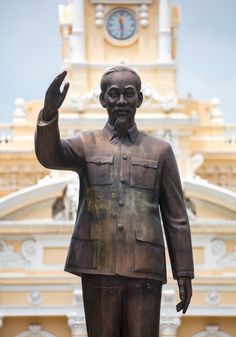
<point x="121" y="94"/>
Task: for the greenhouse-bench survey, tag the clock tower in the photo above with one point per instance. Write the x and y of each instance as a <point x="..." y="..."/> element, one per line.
<point x="98" y="34"/>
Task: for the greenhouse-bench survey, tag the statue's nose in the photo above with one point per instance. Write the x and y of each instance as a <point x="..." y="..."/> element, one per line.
<point x="122" y="100"/>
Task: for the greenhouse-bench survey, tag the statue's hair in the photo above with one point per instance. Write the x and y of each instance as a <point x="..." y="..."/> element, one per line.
<point x="103" y="83"/>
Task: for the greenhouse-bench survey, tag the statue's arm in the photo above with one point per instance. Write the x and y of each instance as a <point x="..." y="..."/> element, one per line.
<point x="52" y="151"/>
<point x="177" y="229"/>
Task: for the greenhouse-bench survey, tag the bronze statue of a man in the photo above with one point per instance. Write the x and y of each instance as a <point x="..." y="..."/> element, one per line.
<point x="128" y="180"/>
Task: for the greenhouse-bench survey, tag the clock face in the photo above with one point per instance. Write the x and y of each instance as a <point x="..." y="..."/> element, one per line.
<point x="121" y="24"/>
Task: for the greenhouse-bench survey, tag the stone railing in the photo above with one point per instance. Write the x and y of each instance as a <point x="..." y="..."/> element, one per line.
<point x="5" y="134"/>
<point x="230" y="134"/>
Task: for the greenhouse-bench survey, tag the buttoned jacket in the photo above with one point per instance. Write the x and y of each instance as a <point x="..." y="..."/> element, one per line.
<point x="125" y="189"/>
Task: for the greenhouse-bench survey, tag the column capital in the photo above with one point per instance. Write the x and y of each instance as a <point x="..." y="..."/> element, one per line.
<point x="77" y="325"/>
<point x="169" y="326"/>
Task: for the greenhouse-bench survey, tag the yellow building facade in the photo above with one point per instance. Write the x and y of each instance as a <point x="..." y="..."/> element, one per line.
<point x="37" y="206"/>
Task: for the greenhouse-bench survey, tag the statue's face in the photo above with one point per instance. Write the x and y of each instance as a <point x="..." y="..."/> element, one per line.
<point x="121" y="97"/>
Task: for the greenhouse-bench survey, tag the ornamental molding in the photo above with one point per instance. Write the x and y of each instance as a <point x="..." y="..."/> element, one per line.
<point x="220" y="254"/>
<point x="212" y="297"/>
<point x="165" y="103"/>
<point x="35" y="330"/>
<point x="77" y="325"/>
<point x="121" y="2"/>
<point x="35" y="194"/>
<point x="169" y="326"/>
<point x="228" y="259"/>
<point x="212" y="331"/>
<point x="35" y="297"/>
<point x="11" y="259"/>
<point x="216" y="195"/>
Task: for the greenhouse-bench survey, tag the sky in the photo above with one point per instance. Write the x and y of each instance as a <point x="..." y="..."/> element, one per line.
<point x="30" y="55"/>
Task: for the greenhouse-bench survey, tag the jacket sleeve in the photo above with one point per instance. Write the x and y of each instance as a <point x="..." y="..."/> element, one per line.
<point x="54" y="152"/>
<point x="175" y="218"/>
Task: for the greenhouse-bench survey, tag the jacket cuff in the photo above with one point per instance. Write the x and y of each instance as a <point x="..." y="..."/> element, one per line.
<point x="186" y="273"/>
<point x="42" y="122"/>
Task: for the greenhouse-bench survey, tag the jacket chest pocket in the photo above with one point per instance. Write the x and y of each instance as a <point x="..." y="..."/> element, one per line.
<point x="143" y="173"/>
<point x="100" y="170"/>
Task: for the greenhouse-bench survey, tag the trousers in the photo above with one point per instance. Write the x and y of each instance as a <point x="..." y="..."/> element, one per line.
<point x="117" y="306"/>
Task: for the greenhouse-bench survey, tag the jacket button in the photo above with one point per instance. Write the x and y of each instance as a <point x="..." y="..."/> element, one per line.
<point x="124" y="156"/>
<point x="122" y="180"/>
<point x="145" y="165"/>
<point x="120" y="226"/>
<point x="121" y="203"/>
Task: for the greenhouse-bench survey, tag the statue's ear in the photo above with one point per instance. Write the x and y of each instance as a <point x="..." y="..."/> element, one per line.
<point x="140" y="99"/>
<point x="102" y="101"/>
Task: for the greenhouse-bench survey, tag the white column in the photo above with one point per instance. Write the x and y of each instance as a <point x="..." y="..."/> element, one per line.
<point x="169" y="326"/>
<point x="77" y="325"/>
<point x="164" y="32"/>
<point x="77" y="47"/>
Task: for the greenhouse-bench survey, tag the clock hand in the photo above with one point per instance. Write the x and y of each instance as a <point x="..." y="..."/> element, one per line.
<point x="121" y="22"/>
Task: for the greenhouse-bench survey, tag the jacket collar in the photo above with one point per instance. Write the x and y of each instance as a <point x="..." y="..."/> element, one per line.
<point x="110" y="132"/>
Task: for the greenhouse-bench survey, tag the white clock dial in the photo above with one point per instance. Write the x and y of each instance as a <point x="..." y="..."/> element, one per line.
<point x="121" y="24"/>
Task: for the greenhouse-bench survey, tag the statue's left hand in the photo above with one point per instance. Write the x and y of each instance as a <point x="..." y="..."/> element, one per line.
<point x="185" y="293"/>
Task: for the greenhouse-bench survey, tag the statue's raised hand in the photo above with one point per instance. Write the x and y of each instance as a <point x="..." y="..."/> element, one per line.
<point x="54" y="97"/>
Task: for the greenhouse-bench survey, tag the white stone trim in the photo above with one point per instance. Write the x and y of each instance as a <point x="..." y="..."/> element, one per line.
<point x="44" y="288"/>
<point x="129" y="2"/>
<point x="31" y="195"/>
<point x="169" y="326"/>
<point x="164" y="52"/>
<point x="209" y="311"/>
<point x="104" y="66"/>
<point x="76" y="40"/>
<point x="35" y="330"/>
<point x="41" y="311"/>
<point x="77" y="325"/>
<point x="212" y="193"/>
<point x="212" y="331"/>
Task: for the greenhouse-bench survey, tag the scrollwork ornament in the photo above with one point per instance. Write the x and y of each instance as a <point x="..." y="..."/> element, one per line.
<point x="35" y="297"/>
<point x="35" y="330"/>
<point x="28" y="248"/>
<point x="218" y="247"/>
<point x="212" y="297"/>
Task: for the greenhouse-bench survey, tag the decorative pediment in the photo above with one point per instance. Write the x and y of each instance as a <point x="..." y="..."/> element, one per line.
<point x="165" y="103"/>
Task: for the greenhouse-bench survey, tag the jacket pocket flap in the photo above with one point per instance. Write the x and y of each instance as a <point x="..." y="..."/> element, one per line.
<point x="149" y="237"/>
<point x="144" y="162"/>
<point x="99" y="160"/>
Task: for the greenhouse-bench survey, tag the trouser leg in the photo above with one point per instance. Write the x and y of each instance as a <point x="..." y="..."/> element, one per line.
<point x="121" y="307"/>
<point x="102" y="305"/>
<point x="141" y="308"/>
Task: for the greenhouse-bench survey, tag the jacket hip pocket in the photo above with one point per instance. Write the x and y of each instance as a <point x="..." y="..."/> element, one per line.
<point x="149" y="257"/>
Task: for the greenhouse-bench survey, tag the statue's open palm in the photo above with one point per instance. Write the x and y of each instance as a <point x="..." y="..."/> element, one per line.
<point x="54" y="97"/>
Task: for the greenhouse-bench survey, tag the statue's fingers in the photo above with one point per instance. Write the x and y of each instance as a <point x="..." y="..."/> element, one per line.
<point x="182" y="293"/>
<point x="179" y="306"/>
<point x="56" y="83"/>
<point x="65" y="89"/>
<point x="63" y="94"/>
<point x="187" y="302"/>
